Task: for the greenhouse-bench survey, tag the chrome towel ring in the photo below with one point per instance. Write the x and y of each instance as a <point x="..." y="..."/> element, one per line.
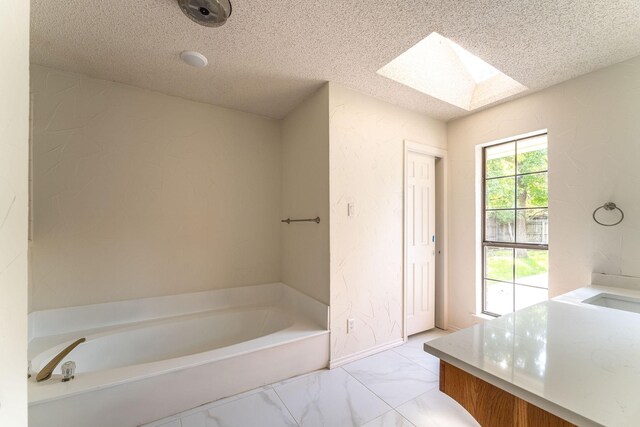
<point x="609" y="206"/>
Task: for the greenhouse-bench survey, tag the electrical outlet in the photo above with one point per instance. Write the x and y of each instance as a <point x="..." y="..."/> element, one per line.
<point x="351" y="325"/>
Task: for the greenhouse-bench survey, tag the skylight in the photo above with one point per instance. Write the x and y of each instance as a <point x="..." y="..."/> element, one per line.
<point x="479" y="70"/>
<point x="443" y="69"/>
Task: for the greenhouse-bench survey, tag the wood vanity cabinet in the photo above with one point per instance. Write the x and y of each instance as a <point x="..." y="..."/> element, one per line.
<point x="490" y="405"/>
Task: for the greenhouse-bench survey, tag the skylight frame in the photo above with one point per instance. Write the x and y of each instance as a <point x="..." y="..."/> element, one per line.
<point x="440" y="68"/>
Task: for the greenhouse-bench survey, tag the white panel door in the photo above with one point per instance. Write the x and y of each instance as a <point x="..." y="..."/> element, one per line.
<point x="420" y="214"/>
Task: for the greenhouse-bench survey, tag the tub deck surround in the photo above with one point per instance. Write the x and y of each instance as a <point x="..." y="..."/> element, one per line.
<point x="47" y="323"/>
<point x="578" y="361"/>
<point x="173" y="353"/>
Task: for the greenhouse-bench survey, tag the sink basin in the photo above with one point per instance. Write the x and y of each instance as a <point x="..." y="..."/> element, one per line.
<point x="617" y="302"/>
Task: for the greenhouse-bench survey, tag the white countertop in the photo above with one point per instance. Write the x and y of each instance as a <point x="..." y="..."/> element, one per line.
<point x="576" y="360"/>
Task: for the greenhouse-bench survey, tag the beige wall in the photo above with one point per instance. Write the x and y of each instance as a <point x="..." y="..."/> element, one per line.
<point x="366" y="169"/>
<point x="305" y="194"/>
<point x="140" y="194"/>
<point x="14" y="201"/>
<point x="594" y="153"/>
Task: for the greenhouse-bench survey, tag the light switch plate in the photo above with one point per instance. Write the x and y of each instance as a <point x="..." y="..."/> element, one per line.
<point x="351" y="209"/>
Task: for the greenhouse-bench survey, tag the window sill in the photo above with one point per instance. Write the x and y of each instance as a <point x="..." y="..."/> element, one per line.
<point x="482" y="317"/>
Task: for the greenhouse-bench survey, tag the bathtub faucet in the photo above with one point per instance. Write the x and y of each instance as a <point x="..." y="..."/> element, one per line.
<point x="46" y="372"/>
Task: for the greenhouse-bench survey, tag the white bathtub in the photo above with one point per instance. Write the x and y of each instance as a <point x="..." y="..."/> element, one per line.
<point x="150" y="358"/>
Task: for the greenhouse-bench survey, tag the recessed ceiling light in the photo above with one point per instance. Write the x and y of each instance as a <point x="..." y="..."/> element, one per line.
<point x="441" y="68"/>
<point x="195" y="59"/>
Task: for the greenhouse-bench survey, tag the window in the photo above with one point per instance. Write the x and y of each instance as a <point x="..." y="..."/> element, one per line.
<point x="515" y="226"/>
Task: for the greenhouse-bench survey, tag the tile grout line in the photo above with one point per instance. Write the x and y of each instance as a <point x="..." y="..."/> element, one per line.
<point x="285" y="406"/>
<point x="437" y="374"/>
<point x="214" y="404"/>
<point x="402" y="416"/>
<point x="376" y="395"/>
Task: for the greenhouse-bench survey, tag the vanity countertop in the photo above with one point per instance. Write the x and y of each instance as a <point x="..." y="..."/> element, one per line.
<point x="578" y="361"/>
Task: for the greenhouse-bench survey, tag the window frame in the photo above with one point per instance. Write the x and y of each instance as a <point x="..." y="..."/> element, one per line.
<point x="510" y="245"/>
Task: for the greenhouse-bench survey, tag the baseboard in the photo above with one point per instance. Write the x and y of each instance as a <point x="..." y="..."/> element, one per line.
<point x="453" y="328"/>
<point x="364" y="353"/>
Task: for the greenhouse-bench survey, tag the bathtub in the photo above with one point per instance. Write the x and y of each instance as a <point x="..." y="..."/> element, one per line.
<point x="150" y="358"/>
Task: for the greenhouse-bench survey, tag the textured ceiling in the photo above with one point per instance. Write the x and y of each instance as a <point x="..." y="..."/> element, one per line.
<point x="272" y="54"/>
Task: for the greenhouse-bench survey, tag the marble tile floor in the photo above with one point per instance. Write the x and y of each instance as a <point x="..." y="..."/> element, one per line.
<point x="397" y="387"/>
